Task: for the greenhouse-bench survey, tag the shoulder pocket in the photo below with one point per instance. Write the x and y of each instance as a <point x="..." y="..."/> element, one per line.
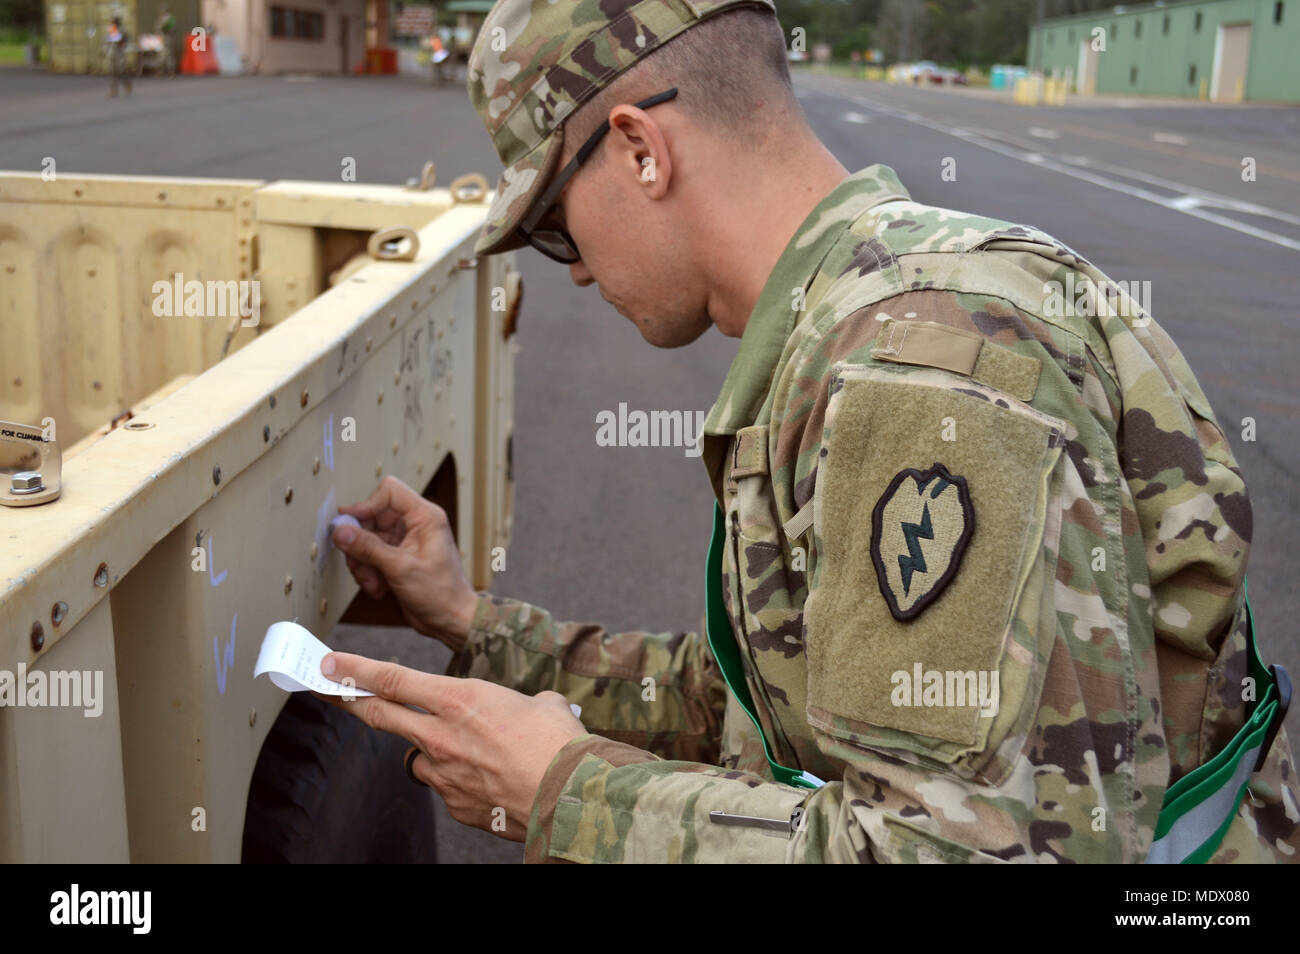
<point x="932" y="620"/>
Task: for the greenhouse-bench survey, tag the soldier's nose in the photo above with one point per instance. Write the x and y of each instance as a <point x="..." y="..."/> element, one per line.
<point x="580" y="274"/>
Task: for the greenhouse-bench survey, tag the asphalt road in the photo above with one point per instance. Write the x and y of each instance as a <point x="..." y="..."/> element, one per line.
<point x="618" y="535"/>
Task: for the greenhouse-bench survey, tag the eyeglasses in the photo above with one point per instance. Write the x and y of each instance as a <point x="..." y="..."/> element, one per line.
<point x="552" y="239"/>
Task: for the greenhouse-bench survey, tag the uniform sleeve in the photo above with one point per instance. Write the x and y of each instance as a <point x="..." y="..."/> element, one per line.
<point x="1189" y="494"/>
<point x="661" y="692"/>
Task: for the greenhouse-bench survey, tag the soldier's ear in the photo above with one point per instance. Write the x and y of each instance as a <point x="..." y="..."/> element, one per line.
<point x="639" y="148"/>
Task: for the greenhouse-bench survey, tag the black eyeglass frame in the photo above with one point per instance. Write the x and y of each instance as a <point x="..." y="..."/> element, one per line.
<point x="527" y="230"/>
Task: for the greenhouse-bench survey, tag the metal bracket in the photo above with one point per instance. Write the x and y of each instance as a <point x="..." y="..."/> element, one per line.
<point x="384" y="244"/>
<point x="31" y="467"/>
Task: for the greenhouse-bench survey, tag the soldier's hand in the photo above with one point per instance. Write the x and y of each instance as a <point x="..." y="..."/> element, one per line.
<point x="483" y="747"/>
<point x="405" y="548"/>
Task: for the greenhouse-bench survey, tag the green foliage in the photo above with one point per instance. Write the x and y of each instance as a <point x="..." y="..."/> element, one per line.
<point x="959" y="33"/>
<point x="22" y="15"/>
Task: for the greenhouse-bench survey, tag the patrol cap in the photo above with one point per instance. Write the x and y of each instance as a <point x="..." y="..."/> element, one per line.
<point x="536" y="61"/>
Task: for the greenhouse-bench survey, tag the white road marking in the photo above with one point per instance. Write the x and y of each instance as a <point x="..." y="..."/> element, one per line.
<point x="1172" y="138"/>
<point x="1038" y="132"/>
<point x="1188" y="200"/>
<point x="855" y="118"/>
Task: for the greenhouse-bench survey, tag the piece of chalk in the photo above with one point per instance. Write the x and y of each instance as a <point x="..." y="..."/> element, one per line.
<point x="344" y="520"/>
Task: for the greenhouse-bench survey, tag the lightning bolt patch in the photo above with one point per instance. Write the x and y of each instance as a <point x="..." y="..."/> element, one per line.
<point x="915" y="559"/>
<point x="912" y="577"/>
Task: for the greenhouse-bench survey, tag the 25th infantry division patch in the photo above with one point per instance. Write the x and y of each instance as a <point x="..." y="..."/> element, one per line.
<point x="919" y="531"/>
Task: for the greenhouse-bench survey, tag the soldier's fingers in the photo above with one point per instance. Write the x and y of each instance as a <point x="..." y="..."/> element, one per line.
<point x="391" y="494"/>
<point x="384" y="716"/>
<point x="368" y="578"/>
<point x="368" y="548"/>
<point x="388" y="680"/>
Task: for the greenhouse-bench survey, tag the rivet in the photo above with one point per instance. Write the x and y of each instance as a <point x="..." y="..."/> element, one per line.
<point x="381" y="397"/>
<point x="324" y="605"/>
<point x="101" y="575"/>
<point x="288" y="494"/>
<point x="394" y="448"/>
<point x="266" y="432"/>
<point x="397" y="377"/>
<point x="379" y="469"/>
<point x="216" y="473"/>
<point x="58" y="611"/>
<point x="38" y="636"/>
<point x="314" y="549"/>
<point x="302" y="399"/>
<point x="392" y="322"/>
<point x="315" y="465"/>
<point x="252" y="718"/>
<point x="367" y="344"/>
<point x="272" y="400"/>
<point x="288" y="585"/>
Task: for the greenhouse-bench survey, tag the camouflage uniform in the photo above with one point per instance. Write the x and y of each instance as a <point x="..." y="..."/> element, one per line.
<point x="928" y="464"/>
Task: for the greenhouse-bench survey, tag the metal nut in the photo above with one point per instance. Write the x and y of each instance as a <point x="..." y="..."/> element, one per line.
<point x="26" y="482"/>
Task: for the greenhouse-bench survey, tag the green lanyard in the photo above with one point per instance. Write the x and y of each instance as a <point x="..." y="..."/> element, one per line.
<point x="722" y="641"/>
<point x="1197" y="810"/>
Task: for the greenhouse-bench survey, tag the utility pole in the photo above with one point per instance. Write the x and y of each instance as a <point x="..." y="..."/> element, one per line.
<point x="1038" y="35"/>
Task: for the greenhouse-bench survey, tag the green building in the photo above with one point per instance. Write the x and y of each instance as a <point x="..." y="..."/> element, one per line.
<point x="1220" y="50"/>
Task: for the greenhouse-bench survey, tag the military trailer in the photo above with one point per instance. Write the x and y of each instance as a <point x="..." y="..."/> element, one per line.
<point x="194" y="375"/>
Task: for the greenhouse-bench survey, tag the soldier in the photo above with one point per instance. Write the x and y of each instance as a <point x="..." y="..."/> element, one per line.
<point x="115" y="41"/>
<point x="166" y="28"/>
<point x="976" y="584"/>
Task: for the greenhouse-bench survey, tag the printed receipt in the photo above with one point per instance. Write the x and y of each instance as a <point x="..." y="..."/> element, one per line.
<point x="291" y="656"/>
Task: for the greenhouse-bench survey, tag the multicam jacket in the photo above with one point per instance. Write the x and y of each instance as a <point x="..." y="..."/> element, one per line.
<point x="984" y="562"/>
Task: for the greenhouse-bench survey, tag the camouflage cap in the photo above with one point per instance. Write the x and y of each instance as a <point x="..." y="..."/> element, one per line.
<point x="536" y="61"/>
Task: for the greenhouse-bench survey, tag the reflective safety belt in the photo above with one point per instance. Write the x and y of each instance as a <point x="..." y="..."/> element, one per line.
<point x="1199" y="808"/>
<point x="722" y="641"/>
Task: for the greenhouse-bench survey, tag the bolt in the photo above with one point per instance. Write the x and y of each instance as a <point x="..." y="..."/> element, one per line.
<point x="26" y="482"/>
<point x="58" y="611"/>
<point x="216" y="473"/>
<point x="38" y="636"/>
<point x="101" y="575"/>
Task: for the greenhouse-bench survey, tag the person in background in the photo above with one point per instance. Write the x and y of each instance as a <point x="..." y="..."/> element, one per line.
<point x="166" y="28"/>
<point x="115" y="45"/>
